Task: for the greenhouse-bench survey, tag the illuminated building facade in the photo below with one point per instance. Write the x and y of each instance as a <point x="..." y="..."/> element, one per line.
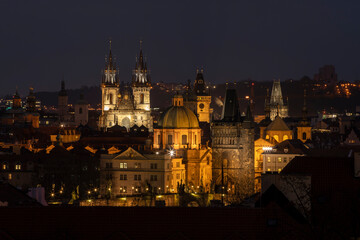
<point x="131" y="172"/>
<point x="178" y="129"/>
<point x="125" y="105"/>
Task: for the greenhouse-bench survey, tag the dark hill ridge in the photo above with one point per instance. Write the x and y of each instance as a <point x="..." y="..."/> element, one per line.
<point x="161" y="97"/>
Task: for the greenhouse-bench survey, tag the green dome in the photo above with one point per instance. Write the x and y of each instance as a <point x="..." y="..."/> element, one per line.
<point x="178" y="117"/>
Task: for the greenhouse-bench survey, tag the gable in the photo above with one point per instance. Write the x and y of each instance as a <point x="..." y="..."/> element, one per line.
<point x="260" y="142"/>
<point x="130" y="153"/>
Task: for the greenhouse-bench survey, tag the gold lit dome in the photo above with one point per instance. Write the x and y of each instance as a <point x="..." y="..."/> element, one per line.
<point x="178" y="116"/>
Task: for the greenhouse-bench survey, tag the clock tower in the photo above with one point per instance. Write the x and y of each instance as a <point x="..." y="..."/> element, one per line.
<point x="203" y="98"/>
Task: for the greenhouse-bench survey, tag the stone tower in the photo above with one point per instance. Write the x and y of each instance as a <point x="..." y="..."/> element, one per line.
<point x="81" y="111"/>
<point x="233" y="149"/>
<point x="203" y="98"/>
<point x="31" y="101"/>
<point x="109" y="84"/>
<point x="276" y="104"/>
<point x="141" y="84"/>
<point x="304" y="128"/>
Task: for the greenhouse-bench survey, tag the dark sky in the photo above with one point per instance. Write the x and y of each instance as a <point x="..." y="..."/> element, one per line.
<point x="234" y="40"/>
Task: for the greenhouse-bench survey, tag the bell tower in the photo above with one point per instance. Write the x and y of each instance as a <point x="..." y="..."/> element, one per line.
<point x="203" y="98"/>
<point x="109" y="84"/>
<point x="141" y="84"/>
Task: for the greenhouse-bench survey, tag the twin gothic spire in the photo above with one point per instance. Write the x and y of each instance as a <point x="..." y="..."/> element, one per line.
<point x="141" y="77"/>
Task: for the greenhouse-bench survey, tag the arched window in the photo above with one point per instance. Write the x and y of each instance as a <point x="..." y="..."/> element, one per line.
<point x="80" y="110"/>
<point x="141" y="98"/>
<point x="267" y="137"/>
<point x="285" y="137"/>
<point x="276" y="137"/>
<point x="304" y="136"/>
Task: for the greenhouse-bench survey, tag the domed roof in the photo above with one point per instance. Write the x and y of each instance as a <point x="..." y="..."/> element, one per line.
<point x="178" y="117"/>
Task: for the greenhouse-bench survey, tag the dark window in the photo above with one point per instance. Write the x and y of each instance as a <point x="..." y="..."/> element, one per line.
<point x="123" y="177"/>
<point x="108" y="165"/>
<point x="304" y="136"/>
<point x="153" y="177"/>
<point x="80" y="110"/>
<point x="153" y="165"/>
<point x="184" y="139"/>
<point x="170" y="140"/>
<point x="141" y="98"/>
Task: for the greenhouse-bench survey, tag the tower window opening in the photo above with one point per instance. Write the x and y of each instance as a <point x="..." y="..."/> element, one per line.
<point x="141" y="98"/>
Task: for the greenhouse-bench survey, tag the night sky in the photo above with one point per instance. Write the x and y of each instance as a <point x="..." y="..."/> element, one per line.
<point x="233" y="40"/>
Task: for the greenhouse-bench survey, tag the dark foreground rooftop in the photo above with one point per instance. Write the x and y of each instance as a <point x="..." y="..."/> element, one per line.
<point x="148" y="223"/>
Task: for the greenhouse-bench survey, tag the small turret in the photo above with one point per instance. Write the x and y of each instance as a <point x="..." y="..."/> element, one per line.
<point x="16" y="100"/>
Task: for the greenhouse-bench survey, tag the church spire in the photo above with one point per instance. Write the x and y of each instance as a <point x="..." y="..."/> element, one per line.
<point x="304" y="108"/>
<point x="276" y="94"/>
<point x="110" y="75"/>
<point x="140" y="73"/>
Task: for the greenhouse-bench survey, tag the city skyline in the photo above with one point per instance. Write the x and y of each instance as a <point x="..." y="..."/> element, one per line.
<point x="232" y="41"/>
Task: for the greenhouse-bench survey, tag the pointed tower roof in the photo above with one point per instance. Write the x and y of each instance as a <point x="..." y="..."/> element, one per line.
<point x="276" y="94"/>
<point x="110" y="63"/>
<point x="199" y="84"/>
<point x="278" y="125"/>
<point x="141" y="77"/>
<point x="62" y="91"/>
<point x="110" y="75"/>
<point x="16" y="95"/>
<point x="230" y="112"/>
<point x="304" y="121"/>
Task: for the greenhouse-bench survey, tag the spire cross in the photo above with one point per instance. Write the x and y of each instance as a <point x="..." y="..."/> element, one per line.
<point x="140" y="44"/>
<point x="110" y="43"/>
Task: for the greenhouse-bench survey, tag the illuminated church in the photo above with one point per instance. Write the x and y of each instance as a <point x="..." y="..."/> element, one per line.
<point x="125" y="105"/>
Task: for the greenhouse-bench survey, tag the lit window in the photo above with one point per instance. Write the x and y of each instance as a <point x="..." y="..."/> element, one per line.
<point x="268" y="159"/>
<point x="279" y="159"/>
<point x="279" y="170"/>
<point x="5" y="166"/>
<point x="10" y="176"/>
<point x="137" y="165"/>
<point x="123" y="165"/>
<point x="269" y="170"/>
<point x="18" y="166"/>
